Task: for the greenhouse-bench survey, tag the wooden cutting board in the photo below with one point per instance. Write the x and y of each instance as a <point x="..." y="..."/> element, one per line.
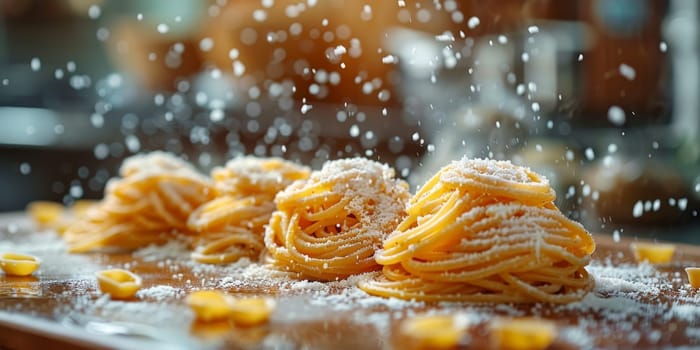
<point x="60" y="306"/>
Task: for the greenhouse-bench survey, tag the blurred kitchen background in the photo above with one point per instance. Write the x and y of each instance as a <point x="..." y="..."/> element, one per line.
<point x="601" y="96"/>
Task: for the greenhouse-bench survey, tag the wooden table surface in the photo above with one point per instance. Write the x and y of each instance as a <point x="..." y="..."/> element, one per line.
<point x="60" y="306"/>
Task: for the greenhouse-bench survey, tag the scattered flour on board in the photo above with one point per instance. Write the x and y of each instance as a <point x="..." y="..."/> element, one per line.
<point x="173" y="249"/>
<point x="632" y="298"/>
<point x="160" y="293"/>
<point x="625" y="297"/>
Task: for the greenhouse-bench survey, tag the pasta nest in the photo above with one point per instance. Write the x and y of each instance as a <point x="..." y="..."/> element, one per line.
<point x="329" y="226"/>
<point x="248" y="175"/>
<point x="231" y="226"/>
<point x="149" y="204"/>
<point x="485" y="231"/>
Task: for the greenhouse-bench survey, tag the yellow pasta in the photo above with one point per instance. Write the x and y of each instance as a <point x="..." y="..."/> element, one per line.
<point x="231" y="226"/>
<point x="118" y="283"/>
<point x="434" y="331"/>
<point x="17" y="264"/>
<point x="210" y="305"/>
<point x="526" y="333"/>
<point x="55" y="216"/>
<point x="653" y="253"/>
<point x="484" y="231"/>
<point x="252" y="311"/>
<point x="150" y="203"/>
<point x="47" y="214"/>
<point x="330" y="226"/>
<point x="693" y="276"/>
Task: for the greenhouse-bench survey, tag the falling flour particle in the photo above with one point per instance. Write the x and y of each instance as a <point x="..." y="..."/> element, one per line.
<point x="366" y="13"/>
<point x="305" y="108"/>
<point x="260" y="15"/>
<point x="569" y="155"/>
<point x="162" y="28"/>
<point x="616" y="115"/>
<point x="340" y="50"/>
<point x="446" y="36"/>
<point x="638" y="209"/>
<point x="586" y="190"/>
<point x="238" y="68"/>
<point x="532" y="86"/>
<point x="216" y="115"/>
<point x="570" y="192"/>
<point x="473" y="22"/>
<point x="94" y="12"/>
<point x="525" y="57"/>
<point x="627" y="71"/>
<point x="25" y="168"/>
<point x="35" y="64"/>
<point x="206" y="44"/>
<point x="76" y="191"/>
<point x="132" y="143"/>
<point x="590" y="155"/>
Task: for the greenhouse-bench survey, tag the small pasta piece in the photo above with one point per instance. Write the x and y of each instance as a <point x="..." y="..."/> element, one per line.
<point x="693" y="276"/>
<point x="210" y="305"/>
<point x="45" y="213"/>
<point x="16" y="264"/>
<point x="118" y="283"/>
<point x="440" y="331"/>
<point x="55" y="216"/>
<point x="522" y="333"/>
<point x="251" y="311"/>
<point x="81" y="207"/>
<point x="653" y="253"/>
